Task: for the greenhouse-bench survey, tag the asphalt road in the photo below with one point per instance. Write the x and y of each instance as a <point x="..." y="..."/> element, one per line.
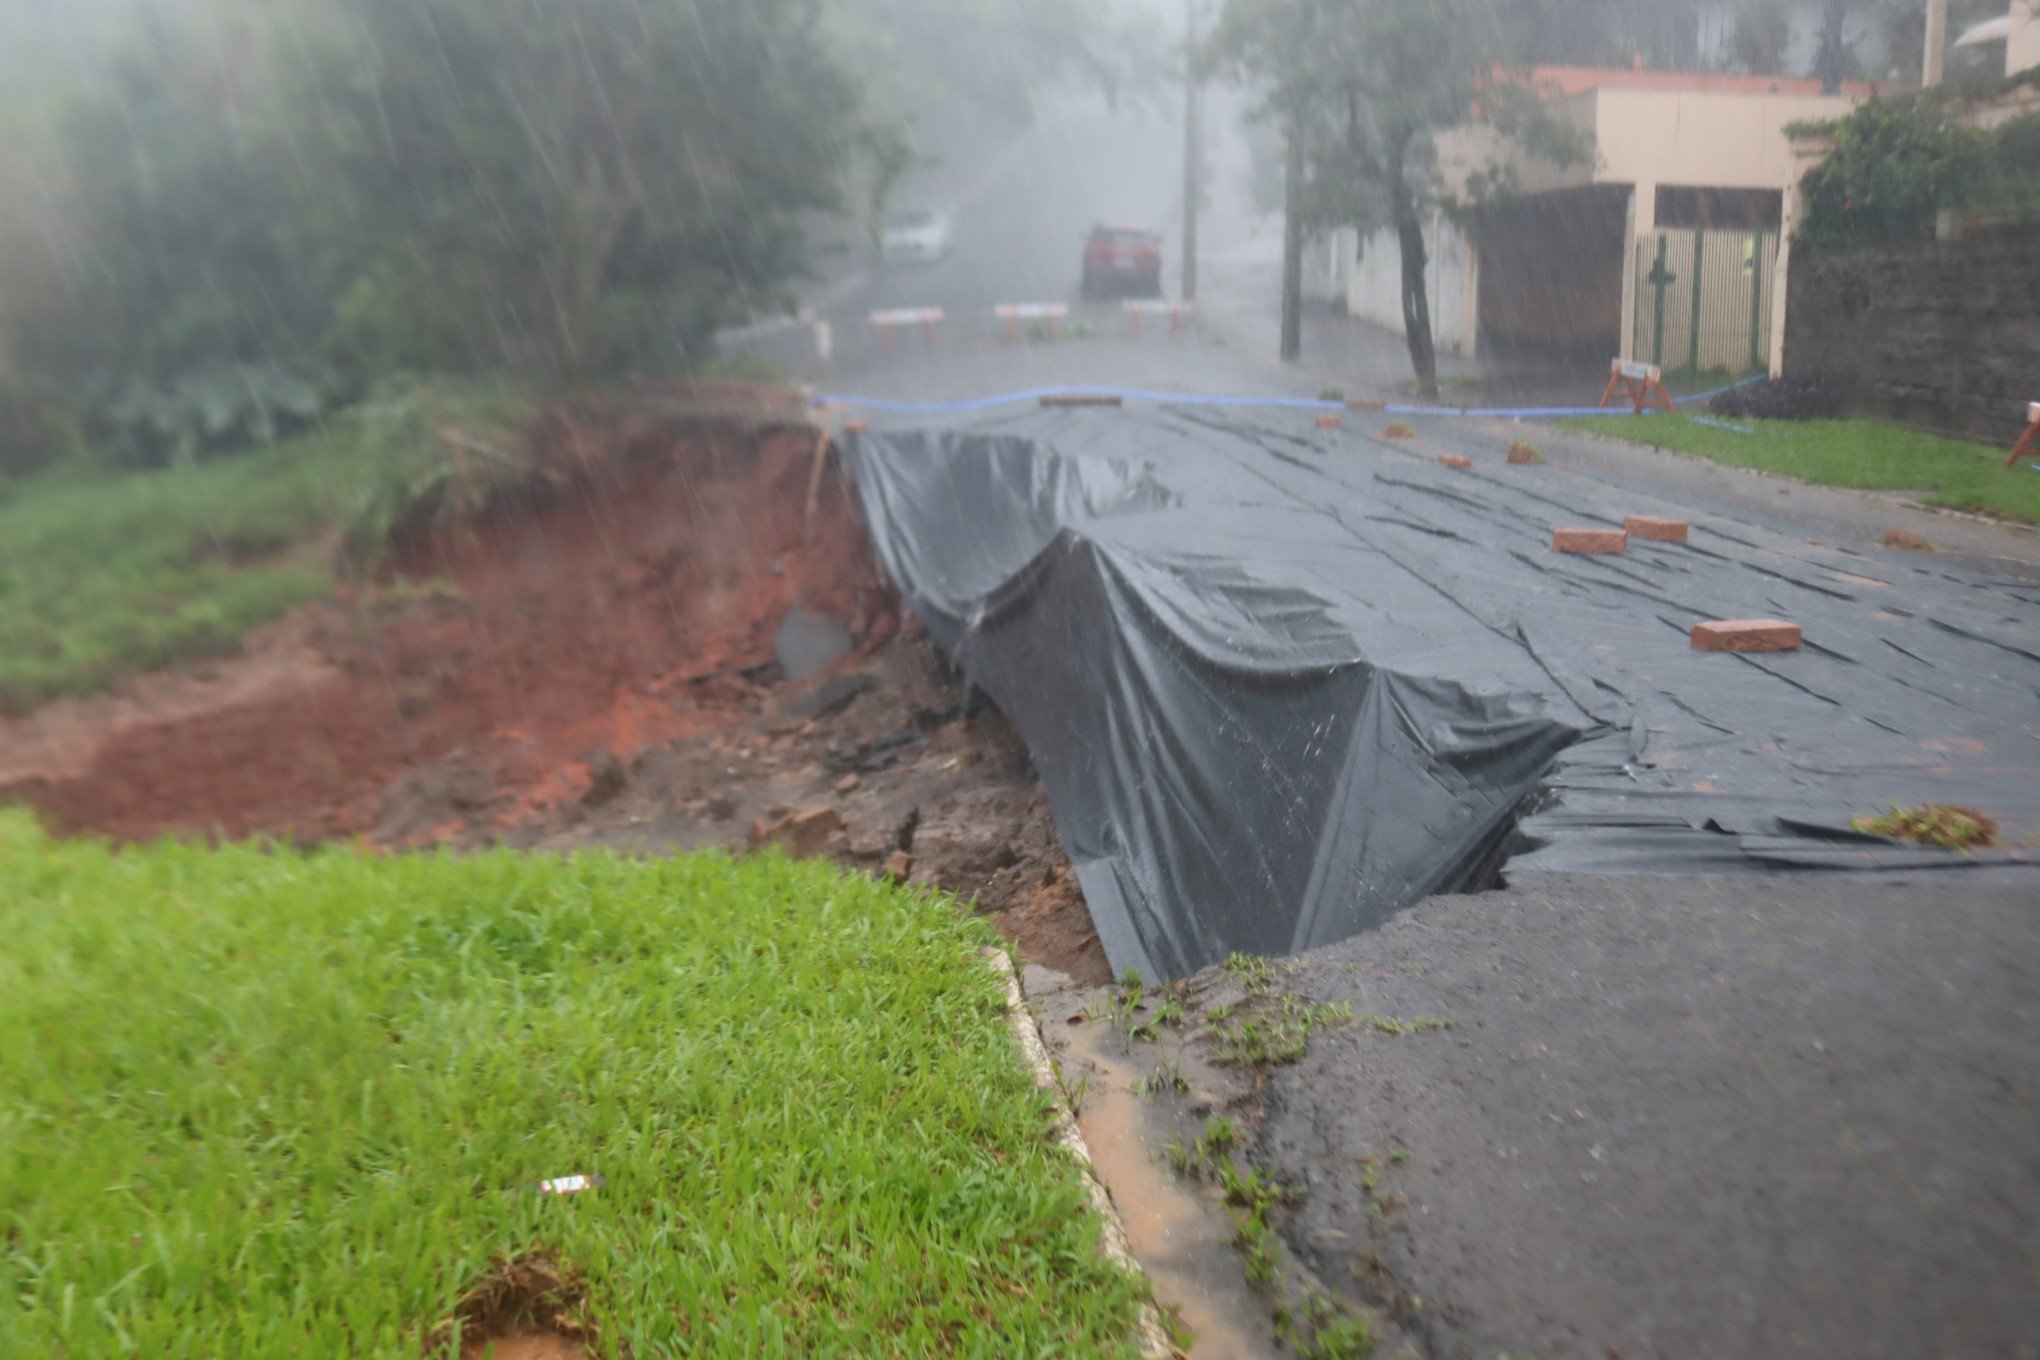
<point x="1683" y="1118"/>
<point x="1021" y="208"/>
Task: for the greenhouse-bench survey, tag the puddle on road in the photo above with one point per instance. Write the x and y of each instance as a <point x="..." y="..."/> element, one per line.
<point x="1182" y="1238"/>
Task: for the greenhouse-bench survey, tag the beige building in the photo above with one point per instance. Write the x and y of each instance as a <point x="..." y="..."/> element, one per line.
<point x="1666" y="246"/>
<point x="2018" y="30"/>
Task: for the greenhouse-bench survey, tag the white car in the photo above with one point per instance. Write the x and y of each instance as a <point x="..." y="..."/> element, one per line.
<point x="916" y="236"/>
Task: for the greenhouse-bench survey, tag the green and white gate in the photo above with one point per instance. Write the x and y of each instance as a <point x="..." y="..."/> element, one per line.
<point x="1703" y="300"/>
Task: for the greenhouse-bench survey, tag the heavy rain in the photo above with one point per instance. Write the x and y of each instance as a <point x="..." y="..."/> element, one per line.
<point x="1200" y="678"/>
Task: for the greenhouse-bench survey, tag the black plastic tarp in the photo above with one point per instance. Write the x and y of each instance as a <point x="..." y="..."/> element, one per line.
<point x="1279" y="683"/>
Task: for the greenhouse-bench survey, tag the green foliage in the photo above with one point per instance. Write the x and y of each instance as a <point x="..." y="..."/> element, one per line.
<point x="1167" y="1079"/>
<point x="1761" y="37"/>
<point x="998" y="55"/>
<point x="103" y="575"/>
<point x="590" y="189"/>
<point x="36" y="428"/>
<point x="258" y="1103"/>
<point x="1254" y="973"/>
<point x="216" y="408"/>
<point x="260" y="210"/>
<point x="457" y="445"/>
<point x="2007" y="191"/>
<point x="1276" y="1034"/>
<point x="1333" y="1332"/>
<point x="1896" y="163"/>
<point x="1868" y="454"/>
<point x="1398" y="1028"/>
<point x="1935" y="824"/>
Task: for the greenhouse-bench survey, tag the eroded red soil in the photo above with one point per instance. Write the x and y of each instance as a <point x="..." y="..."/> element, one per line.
<point x="590" y="660"/>
<point x="612" y="607"/>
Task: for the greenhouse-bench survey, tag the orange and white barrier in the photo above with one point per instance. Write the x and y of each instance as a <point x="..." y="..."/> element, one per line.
<point x="1014" y="313"/>
<point x="2029" y="442"/>
<point x="1643" y="384"/>
<point x="924" y="317"/>
<point x="1139" y="309"/>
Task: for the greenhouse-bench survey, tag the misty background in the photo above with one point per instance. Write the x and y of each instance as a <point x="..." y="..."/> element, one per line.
<point x="220" y="220"/>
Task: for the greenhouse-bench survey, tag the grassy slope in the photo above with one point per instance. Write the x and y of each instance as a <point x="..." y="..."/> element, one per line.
<point x="105" y="574"/>
<point x="1856" y="453"/>
<point x="258" y="1104"/>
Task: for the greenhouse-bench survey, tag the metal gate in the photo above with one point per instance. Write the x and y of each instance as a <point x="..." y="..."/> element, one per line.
<point x="1703" y="299"/>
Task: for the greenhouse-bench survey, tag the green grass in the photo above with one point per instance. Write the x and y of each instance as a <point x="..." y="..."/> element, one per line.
<point x="1865" y="454"/>
<point x="103" y="574"/>
<point x="255" y="1103"/>
<point x="106" y="574"/>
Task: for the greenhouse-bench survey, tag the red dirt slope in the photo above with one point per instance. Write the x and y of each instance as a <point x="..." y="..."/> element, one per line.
<point x="610" y="605"/>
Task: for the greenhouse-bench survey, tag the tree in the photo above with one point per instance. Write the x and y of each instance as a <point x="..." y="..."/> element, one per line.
<point x="150" y="275"/>
<point x="257" y="191"/>
<point x="1761" y="40"/>
<point x="1368" y="85"/>
<point x="579" y="192"/>
<point x="1832" y="63"/>
<point x="997" y="54"/>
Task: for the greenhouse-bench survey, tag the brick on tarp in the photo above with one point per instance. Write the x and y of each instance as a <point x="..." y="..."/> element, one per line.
<point x="1589" y="541"/>
<point x="1655" y="529"/>
<point x="1746" y="635"/>
<point x="1329" y="421"/>
<point x="1455" y="460"/>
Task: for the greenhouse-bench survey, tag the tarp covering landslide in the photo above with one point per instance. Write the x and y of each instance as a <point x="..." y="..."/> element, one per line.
<point x="1280" y="683"/>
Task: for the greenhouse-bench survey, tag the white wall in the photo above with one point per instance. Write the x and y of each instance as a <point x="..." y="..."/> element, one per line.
<point x="1374" y="283"/>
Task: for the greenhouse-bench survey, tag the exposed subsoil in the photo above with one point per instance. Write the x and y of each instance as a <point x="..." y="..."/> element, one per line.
<point x="592" y="660"/>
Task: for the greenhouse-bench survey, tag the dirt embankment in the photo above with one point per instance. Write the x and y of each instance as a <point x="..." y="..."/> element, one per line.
<point x="597" y="657"/>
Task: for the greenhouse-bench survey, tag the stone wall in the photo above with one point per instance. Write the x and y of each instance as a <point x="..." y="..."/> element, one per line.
<point x="1944" y="336"/>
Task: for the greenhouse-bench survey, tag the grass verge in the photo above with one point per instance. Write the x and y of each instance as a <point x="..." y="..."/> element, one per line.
<point x="261" y="1103"/>
<point x="1864" y="454"/>
<point x="104" y="574"/>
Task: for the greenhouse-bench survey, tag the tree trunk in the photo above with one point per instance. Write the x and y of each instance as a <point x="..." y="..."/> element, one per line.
<point x="1416" y="298"/>
<point x="1292" y="249"/>
<point x="1831" y="62"/>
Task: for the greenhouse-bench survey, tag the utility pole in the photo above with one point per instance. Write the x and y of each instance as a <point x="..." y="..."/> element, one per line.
<point x="1936" y="67"/>
<point x="1192" y="186"/>
<point x="1292" y="245"/>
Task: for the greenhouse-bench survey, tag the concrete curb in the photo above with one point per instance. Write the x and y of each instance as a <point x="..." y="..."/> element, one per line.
<point x="1153" y="1338"/>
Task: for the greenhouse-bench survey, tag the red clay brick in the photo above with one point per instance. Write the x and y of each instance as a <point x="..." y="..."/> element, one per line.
<point x="856" y="427"/>
<point x="1656" y="530"/>
<point x="1329" y="421"/>
<point x="1746" y="635"/>
<point x="1455" y="460"/>
<point x="1589" y="541"/>
<point x="1362" y="404"/>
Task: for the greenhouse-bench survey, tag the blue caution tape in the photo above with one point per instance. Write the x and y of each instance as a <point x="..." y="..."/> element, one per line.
<point x="1034" y="394"/>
